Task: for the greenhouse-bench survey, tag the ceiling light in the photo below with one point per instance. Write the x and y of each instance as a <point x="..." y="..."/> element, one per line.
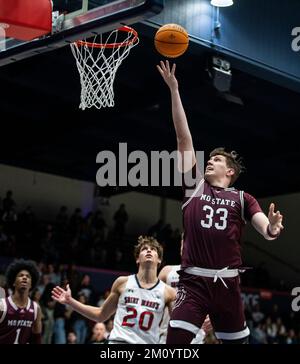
<point x="221" y="3"/>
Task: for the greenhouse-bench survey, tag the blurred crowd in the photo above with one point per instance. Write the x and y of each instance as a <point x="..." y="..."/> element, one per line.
<point x="88" y="240"/>
<point x="73" y="237"/>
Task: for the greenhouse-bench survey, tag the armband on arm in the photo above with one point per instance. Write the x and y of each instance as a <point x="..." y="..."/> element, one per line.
<point x="272" y="235"/>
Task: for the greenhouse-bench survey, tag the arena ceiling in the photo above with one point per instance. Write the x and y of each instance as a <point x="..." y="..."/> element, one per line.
<point x="43" y="129"/>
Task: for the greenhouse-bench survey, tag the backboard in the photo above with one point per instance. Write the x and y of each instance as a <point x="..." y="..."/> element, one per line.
<point x="77" y="19"/>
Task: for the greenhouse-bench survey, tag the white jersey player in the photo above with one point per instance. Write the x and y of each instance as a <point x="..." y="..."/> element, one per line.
<point x="139" y="313"/>
<point x="138" y="301"/>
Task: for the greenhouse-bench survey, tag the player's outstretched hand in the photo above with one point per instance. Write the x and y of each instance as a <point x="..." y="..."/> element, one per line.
<point x="275" y="220"/>
<point x="61" y="295"/>
<point x="168" y="74"/>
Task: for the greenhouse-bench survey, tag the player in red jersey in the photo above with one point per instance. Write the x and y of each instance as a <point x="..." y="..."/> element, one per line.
<point x="20" y="317"/>
<point x="214" y="216"/>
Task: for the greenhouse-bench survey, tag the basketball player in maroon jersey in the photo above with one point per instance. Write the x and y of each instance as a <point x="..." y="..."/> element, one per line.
<point x="20" y="317"/>
<point x="214" y="216"/>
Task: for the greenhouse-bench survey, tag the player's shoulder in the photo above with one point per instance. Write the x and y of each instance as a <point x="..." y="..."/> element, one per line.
<point x="248" y="197"/>
<point x="120" y="282"/>
<point x="164" y="272"/>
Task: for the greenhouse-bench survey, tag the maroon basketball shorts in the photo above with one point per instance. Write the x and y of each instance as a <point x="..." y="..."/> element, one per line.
<point x="198" y="296"/>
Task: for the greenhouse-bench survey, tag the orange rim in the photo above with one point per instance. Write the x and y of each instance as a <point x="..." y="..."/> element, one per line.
<point x="112" y="45"/>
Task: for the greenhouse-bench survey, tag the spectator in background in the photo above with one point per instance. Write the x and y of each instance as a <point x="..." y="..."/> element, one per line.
<point x="121" y="218"/>
<point x="291" y="337"/>
<point x="99" y="224"/>
<point x="87" y="289"/>
<point x="72" y="338"/>
<point x="61" y="220"/>
<point x="156" y="229"/>
<point x="76" y="221"/>
<point x="8" y="202"/>
<point x="27" y="220"/>
<point x="48" y="244"/>
<point x="271" y="330"/>
<point x="259" y="334"/>
<point x="99" y="334"/>
<point x="44" y="281"/>
<point x="103" y="298"/>
<point x="257" y="315"/>
<point x="59" y="329"/>
<point x="281" y="331"/>
<point x="9" y="219"/>
<point x="80" y="323"/>
<point x="54" y="277"/>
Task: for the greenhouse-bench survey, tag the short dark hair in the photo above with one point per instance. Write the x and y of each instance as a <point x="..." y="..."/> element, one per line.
<point x="17" y="266"/>
<point x="233" y="160"/>
<point x="152" y="242"/>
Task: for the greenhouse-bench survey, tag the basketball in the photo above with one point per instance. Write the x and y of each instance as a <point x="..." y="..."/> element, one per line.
<point x="171" y="40"/>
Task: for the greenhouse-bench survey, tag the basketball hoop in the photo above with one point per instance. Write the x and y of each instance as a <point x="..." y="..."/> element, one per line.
<point x="98" y="61"/>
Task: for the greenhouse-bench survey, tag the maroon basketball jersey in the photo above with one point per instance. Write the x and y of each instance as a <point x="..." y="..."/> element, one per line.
<point x="213" y="223"/>
<point x="16" y="323"/>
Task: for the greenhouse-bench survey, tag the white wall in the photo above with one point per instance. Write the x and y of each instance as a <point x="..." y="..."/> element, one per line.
<point x="45" y="192"/>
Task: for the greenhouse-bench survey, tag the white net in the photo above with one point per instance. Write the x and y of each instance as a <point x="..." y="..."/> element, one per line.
<point x="98" y="61"/>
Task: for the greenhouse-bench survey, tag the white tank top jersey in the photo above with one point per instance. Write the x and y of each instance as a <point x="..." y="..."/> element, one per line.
<point x="139" y="313"/>
<point x="172" y="280"/>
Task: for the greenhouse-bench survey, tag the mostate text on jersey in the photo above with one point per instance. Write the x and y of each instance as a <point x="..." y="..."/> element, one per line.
<point x="18" y="323"/>
<point x="217" y="201"/>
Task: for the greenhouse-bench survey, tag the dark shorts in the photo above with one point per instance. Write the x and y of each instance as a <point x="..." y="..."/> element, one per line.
<point x="198" y="296"/>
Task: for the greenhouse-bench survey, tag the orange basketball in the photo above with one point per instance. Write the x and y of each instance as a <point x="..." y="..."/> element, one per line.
<point x="171" y="40"/>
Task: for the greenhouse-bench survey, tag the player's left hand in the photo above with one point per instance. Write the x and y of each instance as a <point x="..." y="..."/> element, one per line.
<point x="207" y="326"/>
<point x="275" y="220"/>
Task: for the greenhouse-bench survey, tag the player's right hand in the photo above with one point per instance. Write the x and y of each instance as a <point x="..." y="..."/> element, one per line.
<point x="168" y="74"/>
<point x="61" y="295"/>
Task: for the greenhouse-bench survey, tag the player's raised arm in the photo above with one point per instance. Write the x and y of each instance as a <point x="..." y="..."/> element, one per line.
<point x="98" y="314"/>
<point x="183" y="134"/>
<point x="269" y="227"/>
